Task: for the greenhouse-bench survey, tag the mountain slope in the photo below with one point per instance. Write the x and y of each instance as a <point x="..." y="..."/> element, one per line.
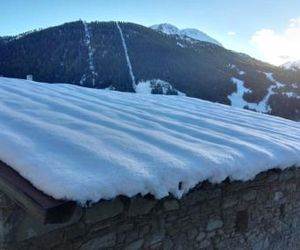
<point x="103" y="55"/>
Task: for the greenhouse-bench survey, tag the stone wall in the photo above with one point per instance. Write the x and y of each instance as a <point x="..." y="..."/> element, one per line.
<point x="259" y="214"/>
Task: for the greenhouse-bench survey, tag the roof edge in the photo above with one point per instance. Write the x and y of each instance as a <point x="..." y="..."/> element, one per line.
<point x="43" y="207"/>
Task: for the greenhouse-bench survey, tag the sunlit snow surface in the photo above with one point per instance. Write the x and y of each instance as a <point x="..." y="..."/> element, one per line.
<point x="87" y="144"/>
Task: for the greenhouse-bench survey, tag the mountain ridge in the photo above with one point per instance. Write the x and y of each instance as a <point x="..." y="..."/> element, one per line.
<point x="187" y="33"/>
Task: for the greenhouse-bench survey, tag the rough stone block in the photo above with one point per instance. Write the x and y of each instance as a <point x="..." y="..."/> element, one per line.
<point x="278" y="196"/>
<point x="140" y="206"/>
<point x="229" y="202"/>
<point x="103" y="242"/>
<point x="154" y="238"/>
<point x="135" y="245"/>
<point x="104" y="210"/>
<point x="170" y="205"/>
<point x="214" y="224"/>
<point x="249" y="195"/>
<point x="201" y="236"/>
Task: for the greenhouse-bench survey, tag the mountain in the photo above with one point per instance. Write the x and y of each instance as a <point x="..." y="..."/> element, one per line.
<point x="293" y="65"/>
<point x="134" y="58"/>
<point x="187" y="34"/>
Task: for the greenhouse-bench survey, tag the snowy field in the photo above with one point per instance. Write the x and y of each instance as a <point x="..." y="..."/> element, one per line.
<point x="86" y="144"/>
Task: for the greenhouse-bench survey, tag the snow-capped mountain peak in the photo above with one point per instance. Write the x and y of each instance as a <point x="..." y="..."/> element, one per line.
<point x="292" y="65"/>
<point x="166" y="28"/>
<point x="199" y="35"/>
<point x="194" y="34"/>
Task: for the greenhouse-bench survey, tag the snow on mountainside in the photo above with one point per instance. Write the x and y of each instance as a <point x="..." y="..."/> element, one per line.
<point x="91" y="63"/>
<point x="237" y="97"/>
<point x="126" y="56"/>
<point x="295" y="65"/>
<point x="195" y="34"/>
<point x="156" y="86"/>
<point x="87" y="144"/>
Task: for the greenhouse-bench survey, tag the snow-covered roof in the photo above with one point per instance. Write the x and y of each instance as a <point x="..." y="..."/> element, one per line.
<point x="85" y="144"/>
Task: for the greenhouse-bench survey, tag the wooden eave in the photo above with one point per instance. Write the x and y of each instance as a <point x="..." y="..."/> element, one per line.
<point x="38" y="204"/>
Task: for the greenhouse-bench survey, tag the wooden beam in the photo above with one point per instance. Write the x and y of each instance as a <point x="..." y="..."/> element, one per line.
<point x="40" y="205"/>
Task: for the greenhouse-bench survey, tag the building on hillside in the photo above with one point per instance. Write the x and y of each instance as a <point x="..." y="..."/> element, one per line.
<point x="29" y="77"/>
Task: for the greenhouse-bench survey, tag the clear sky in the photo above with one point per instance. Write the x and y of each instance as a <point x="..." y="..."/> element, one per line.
<point x="266" y="29"/>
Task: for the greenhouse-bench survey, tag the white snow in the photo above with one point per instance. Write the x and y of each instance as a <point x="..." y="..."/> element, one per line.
<point x="291" y="95"/>
<point x="240" y="72"/>
<point x="195" y="34"/>
<point x="271" y="89"/>
<point x="272" y="79"/>
<point x="166" y="28"/>
<point x="89" y="144"/>
<point x="236" y="98"/>
<point x="263" y="106"/>
<point x="232" y="66"/>
<point x="90" y="56"/>
<point x="293" y="65"/>
<point x="199" y="36"/>
<point x="180" y="45"/>
<point x="112" y="88"/>
<point x="146" y="87"/>
<point x="82" y="80"/>
<point x="127" y="56"/>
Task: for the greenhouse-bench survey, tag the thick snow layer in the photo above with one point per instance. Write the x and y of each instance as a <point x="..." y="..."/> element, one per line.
<point x="195" y="34"/>
<point x="89" y="144"/>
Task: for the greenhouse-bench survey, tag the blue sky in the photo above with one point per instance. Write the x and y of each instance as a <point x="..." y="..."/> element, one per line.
<point x="239" y="25"/>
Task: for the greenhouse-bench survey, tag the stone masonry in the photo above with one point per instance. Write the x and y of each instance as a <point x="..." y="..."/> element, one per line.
<point x="260" y="214"/>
